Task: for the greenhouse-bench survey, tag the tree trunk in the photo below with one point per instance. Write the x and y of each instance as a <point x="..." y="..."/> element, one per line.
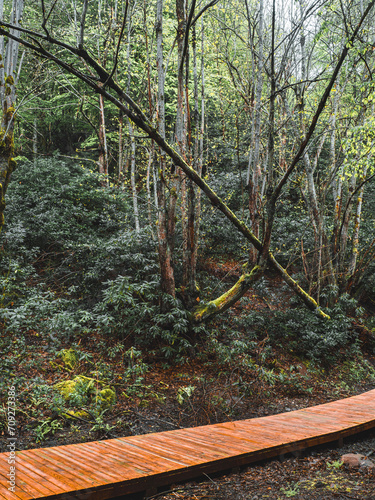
<point x="225" y="301"/>
<point x="183" y="132"/>
<point x="8" y="78"/>
<point x="254" y="194"/>
<point x="121" y="177"/>
<point x="150" y="169"/>
<point x="133" y="182"/>
<point x="35" y="138"/>
<point x="132" y="139"/>
<point x="165" y="254"/>
<point x="357" y="225"/>
<point x="344" y="230"/>
<point x="103" y="149"/>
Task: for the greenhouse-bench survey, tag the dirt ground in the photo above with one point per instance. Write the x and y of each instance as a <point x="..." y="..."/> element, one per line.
<point x="317" y="475"/>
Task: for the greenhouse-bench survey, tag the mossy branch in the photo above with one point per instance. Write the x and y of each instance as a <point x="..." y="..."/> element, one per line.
<point x="304" y="296"/>
<point x="204" y="312"/>
<point x="225" y="301"/>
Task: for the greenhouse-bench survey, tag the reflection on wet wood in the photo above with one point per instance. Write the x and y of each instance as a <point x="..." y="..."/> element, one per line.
<point x="106" y="469"/>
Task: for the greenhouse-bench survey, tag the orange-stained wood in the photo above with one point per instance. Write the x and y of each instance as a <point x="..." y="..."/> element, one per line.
<point x="146" y="453"/>
<point x="106" y="469"/>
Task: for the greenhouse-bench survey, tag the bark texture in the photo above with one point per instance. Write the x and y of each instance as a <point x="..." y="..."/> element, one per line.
<point x="9" y="71"/>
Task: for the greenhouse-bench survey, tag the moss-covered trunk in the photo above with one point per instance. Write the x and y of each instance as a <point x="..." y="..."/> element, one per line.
<point x="7" y="163"/>
<point x="225" y="301"/>
<point x="10" y="67"/>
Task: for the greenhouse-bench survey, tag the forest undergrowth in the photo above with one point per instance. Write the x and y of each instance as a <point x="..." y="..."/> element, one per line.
<point x="221" y="265"/>
<point x="92" y="355"/>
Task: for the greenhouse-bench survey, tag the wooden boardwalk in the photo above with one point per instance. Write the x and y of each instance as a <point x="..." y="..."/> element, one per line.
<point x="110" y="468"/>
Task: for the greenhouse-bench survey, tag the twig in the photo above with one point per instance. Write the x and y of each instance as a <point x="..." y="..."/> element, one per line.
<point x="208" y="477"/>
<point x="78" y="418"/>
<point x="118" y="44"/>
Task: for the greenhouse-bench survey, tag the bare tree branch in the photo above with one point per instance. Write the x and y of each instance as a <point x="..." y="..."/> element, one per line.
<point x="82" y="24"/>
<point x="277" y="191"/>
<point x="119" y="42"/>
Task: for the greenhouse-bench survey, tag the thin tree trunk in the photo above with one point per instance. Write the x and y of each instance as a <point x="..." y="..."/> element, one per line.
<point x="251" y="110"/>
<point x="103" y="149"/>
<point x="8" y="78"/>
<point x="35" y="138"/>
<point x="165" y="255"/>
<point x="148" y="184"/>
<point x="181" y="139"/>
<point x="344" y="233"/>
<point x="121" y="148"/>
<point x="133" y="182"/>
<point x="200" y="150"/>
<point x="357" y="225"/>
<point x="193" y="201"/>
<point x="336" y="183"/>
<point x="271" y="134"/>
<point x="150" y="165"/>
<point x="254" y="195"/>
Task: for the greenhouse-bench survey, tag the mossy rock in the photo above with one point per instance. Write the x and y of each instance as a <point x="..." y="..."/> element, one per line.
<point x="106" y="398"/>
<point x="80" y="414"/>
<point x="69" y="358"/>
<point x="86" y="388"/>
<point x="78" y="386"/>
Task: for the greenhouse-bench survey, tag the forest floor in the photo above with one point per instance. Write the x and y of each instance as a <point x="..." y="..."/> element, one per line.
<point x="157" y="396"/>
<point x="318" y="475"/>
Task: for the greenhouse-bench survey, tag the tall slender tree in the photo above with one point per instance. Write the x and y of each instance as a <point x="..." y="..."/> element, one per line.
<point x="10" y="66"/>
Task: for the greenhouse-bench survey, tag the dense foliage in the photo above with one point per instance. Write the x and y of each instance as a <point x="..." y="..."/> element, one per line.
<point x="72" y="264"/>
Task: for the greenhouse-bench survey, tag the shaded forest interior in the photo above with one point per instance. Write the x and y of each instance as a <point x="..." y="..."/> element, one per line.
<point x="187" y="200"/>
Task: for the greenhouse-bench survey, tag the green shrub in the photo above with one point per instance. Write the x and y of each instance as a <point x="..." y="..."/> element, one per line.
<point x="72" y="262"/>
<point x="131" y="310"/>
<point x="306" y="334"/>
<point x="54" y="202"/>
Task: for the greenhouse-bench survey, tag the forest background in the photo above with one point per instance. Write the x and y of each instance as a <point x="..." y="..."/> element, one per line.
<point x="189" y="214"/>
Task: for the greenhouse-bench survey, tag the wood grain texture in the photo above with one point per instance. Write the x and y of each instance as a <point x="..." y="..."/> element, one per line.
<point x="106" y="469"/>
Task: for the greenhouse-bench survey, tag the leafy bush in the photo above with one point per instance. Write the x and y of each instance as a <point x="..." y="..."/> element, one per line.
<point x="62" y="222"/>
<point x="45" y="313"/>
<point x="309" y="336"/>
<point x="65" y="235"/>
<point x="131" y="310"/>
<point x="125" y="253"/>
<point x="53" y="202"/>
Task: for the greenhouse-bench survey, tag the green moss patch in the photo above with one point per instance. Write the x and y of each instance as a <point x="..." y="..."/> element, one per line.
<point x="69" y="358"/>
<point x="83" y="390"/>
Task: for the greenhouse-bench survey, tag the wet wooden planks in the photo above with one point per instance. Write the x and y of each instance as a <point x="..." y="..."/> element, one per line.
<point x="106" y="469"/>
